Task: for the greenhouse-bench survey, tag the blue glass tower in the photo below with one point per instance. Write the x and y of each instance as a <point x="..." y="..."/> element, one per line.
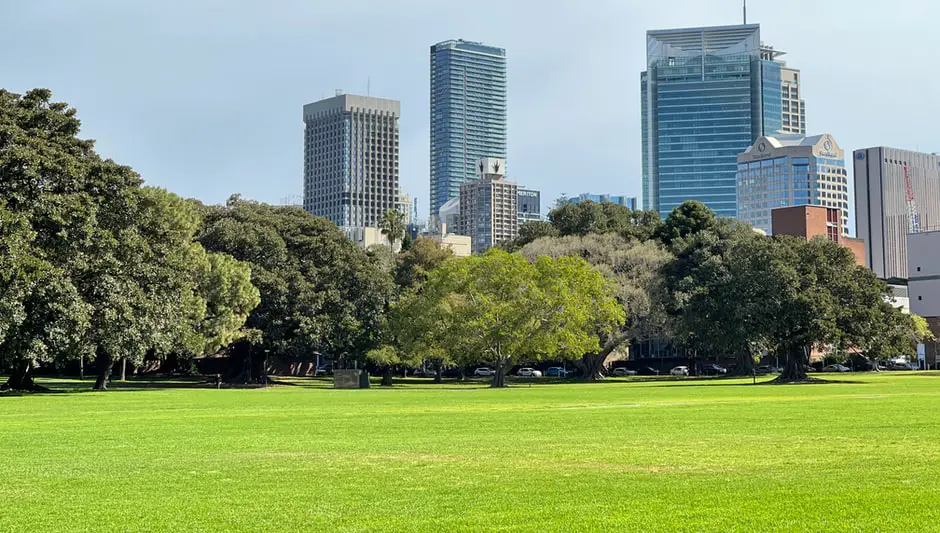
<point x="468" y="113"/>
<point x="706" y="95"/>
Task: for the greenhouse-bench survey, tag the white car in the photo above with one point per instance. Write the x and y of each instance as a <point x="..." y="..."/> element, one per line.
<point x="836" y="368"/>
<point x="483" y="372"/>
<point x="680" y="371"/>
<point x="529" y="373"/>
<point x="622" y="371"/>
<point x="898" y="365"/>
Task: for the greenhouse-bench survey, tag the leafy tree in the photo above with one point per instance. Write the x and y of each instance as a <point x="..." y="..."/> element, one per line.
<point x="634" y="269"/>
<point x="688" y="219"/>
<point x="319" y="292"/>
<point x="528" y="232"/>
<point x="589" y="217"/>
<point x="415" y="263"/>
<point x="502" y="308"/>
<point x="393" y="226"/>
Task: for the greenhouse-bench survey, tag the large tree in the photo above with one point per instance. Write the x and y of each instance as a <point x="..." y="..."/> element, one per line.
<point x="501" y="308"/>
<point x="588" y="217"/>
<point x="320" y="293"/>
<point x="392" y="226"/>
<point x="634" y="270"/>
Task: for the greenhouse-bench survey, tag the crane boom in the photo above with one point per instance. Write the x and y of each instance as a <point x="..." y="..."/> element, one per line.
<point x="913" y="219"/>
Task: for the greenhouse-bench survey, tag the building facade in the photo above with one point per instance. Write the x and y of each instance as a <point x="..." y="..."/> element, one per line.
<point x="489" y="207"/>
<point x="406" y="205"/>
<point x="351" y="159"/>
<point x="881" y="207"/>
<point x="924" y="285"/>
<point x="530" y="205"/>
<point x="468" y="113"/>
<point x="791" y="170"/>
<point x="706" y="94"/>
<point x="793" y="106"/>
<point x="627" y="201"/>
<point x="808" y="221"/>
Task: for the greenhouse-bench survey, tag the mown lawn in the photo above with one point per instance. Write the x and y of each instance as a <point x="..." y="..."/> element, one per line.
<point x="653" y="456"/>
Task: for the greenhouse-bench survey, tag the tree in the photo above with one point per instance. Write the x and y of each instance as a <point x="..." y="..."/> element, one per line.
<point x="634" y="270"/>
<point x="503" y="308"/>
<point x="415" y="263"/>
<point x="319" y="292"/>
<point x="529" y="232"/>
<point x="393" y="226"/>
<point x="690" y="218"/>
<point x="588" y="217"/>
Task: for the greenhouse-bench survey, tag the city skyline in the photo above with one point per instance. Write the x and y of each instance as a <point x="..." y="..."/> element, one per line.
<point x="212" y="111"/>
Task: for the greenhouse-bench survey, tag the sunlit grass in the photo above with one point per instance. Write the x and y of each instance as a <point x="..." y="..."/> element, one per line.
<point x="622" y="455"/>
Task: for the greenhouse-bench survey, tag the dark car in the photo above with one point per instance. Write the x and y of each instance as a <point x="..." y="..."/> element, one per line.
<point x="713" y="370"/>
<point x="323" y="370"/>
<point x="647" y="371"/>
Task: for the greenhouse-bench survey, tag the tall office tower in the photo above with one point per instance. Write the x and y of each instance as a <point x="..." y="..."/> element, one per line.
<point x="627" y="201"/>
<point x="530" y="205"/>
<point x="351" y="159"/>
<point x="468" y="113"/>
<point x="407" y="207"/>
<point x="882" y="210"/>
<point x="706" y="94"/>
<point x="791" y="170"/>
<point x="792" y="105"/>
<point x="489" y="206"/>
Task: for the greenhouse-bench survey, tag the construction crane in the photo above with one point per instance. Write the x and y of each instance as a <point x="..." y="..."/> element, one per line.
<point x="914" y="220"/>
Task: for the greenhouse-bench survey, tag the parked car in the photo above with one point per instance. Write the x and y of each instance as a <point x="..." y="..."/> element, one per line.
<point x="836" y="368"/>
<point x="557" y="372"/>
<point x="647" y="371"/>
<point x="424" y="373"/>
<point x="680" y="371"/>
<point x="767" y="369"/>
<point x="323" y="370"/>
<point x="622" y="371"/>
<point x="527" y="372"/>
<point x="897" y="365"/>
<point x="483" y="372"/>
<point x="713" y="370"/>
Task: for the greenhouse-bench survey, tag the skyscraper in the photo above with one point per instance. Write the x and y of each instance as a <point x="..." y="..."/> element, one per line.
<point x="489" y="206"/>
<point x="530" y="208"/>
<point x="351" y="159"/>
<point x="468" y="113"/>
<point x="882" y="214"/>
<point x="706" y="95"/>
<point x="791" y="170"/>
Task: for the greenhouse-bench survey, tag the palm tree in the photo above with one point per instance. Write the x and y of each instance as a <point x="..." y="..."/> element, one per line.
<point x="393" y="226"/>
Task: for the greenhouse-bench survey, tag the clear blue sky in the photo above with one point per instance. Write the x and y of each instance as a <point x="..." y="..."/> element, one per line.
<point x="204" y="97"/>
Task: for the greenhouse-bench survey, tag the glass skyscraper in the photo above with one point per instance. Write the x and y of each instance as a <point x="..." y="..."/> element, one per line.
<point x="468" y="114"/>
<point x="706" y="94"/>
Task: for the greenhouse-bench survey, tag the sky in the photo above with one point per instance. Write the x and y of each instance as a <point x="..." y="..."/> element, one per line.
<point x="204" y="97"/>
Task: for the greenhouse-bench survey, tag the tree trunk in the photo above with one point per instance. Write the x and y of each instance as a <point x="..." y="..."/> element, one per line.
<point x="462" y="373"/>
<point x="81" y="368"/>
<point x="103" y="364"/>
<point x="793" y="371"/>
<point x="123" y="369"/>
<point x="745" y="364"/>
<point x="439" y="374"/>
<point x="21" y="378"/>
<point x="499" y="377"/>
<point x="387" y="377"/>
<point x="593" y="366"/>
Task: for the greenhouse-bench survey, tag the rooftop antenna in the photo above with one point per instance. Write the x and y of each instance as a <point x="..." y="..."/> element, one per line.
<point x="745" y="11"/>
<point x="369" y="86"/>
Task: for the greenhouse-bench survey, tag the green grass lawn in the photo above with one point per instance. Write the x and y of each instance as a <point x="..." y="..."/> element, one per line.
<point x="622" y="455"/>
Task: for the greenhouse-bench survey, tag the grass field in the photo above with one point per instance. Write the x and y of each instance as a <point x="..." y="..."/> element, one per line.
<point x="655" y="456"/>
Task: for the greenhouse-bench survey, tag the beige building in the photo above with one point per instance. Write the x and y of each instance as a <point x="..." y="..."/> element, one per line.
<point x="923" y="258"/>
<point x="793" y="108"/>
<point x="461" y="245"/>
<point x="489" y="206"/>
<point x="882" y="213"/>
<point x="791" y="170"/>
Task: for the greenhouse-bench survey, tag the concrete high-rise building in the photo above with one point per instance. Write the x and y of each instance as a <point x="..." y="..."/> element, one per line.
<point x="468" y="113"/>
<point x="881" y="209"/>
<point x="706" y="94"/>
<point x="489" y="206"/>
<point x="627" y="201"/>
<point x="530" y="205"/>
<point x="407" y="207"/>
<point x="792" y="106"/>
<point x="351" y="159"/>
<point x="791" y="170"/>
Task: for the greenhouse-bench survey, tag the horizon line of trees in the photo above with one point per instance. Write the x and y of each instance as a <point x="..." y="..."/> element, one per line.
<point x="95" y="266"/>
